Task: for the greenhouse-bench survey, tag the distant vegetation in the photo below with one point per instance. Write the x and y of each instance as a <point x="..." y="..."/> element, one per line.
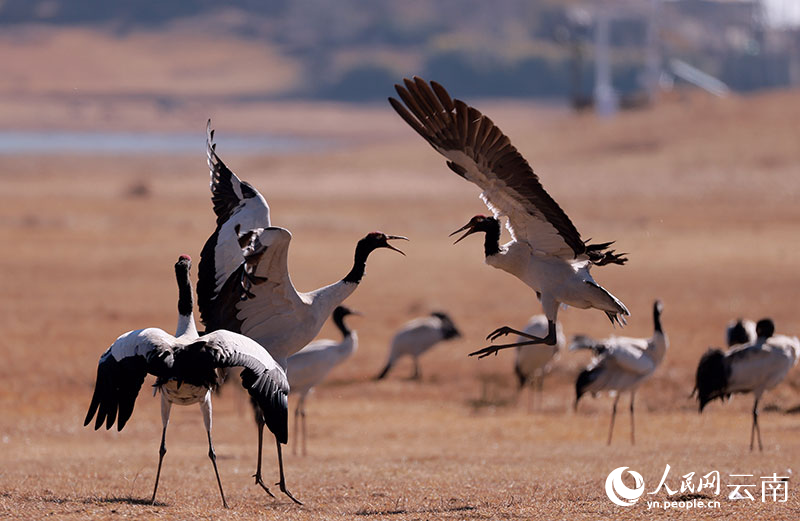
<point x="351" y="49"/>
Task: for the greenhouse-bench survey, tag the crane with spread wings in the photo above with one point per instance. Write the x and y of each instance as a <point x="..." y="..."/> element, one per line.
<point x="546" y="251"/>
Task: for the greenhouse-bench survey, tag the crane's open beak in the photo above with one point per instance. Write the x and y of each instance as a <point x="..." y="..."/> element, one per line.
<point x="391" y="237"/>
<point x="470" y="230"/>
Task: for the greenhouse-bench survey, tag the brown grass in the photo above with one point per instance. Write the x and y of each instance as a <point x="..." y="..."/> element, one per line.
<point x="702" y="193"/>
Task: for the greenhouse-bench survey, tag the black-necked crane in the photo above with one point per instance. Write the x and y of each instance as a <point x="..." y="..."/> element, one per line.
<point x="740" y="331"/>
<point x="755" y="367"/>
<point x="186" y="366"/>
<point x="308" y="367"/>
<point x="532" y="363"/>
<point x="418" y="336"/>
<point x="546" y="252"/>
<point x="621" y="364"/>
<point x="244" y="285"/>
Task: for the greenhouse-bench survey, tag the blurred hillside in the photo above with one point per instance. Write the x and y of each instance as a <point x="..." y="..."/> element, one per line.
<point x="354" y="50"/>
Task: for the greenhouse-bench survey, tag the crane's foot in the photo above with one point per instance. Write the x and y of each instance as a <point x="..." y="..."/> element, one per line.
<point x="488" y="350"/>
<point x="502" y="331"/>
<point x="282" y="486"/>
<point x="259" y="481"/>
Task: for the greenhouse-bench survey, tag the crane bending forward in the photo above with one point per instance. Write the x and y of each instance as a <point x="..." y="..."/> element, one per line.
<point x="546" y="252"/>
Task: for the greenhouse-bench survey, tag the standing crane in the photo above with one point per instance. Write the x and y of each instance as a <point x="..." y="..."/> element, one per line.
<point x="546" y="252"/>
<point x="532" y="363"/>
<point x="755" y="367"/>
<point x="308" y="367"/>
<point x="621" y="364"/>
<point x="418" y="336"/>
<point x="244" y="285"/>
<point x="186" y="366"/>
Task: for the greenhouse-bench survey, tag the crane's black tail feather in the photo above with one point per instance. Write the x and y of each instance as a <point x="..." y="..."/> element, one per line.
<point x="711" y="379"/>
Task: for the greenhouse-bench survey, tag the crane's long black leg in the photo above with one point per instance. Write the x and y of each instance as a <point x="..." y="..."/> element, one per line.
<point x="257" y="475"/>
<point x="417" y="374"/>
<point x="633" y="427"/>
<point x="305" y="430"/>
<point x="296" y="427"/>
<point x="165" y="409"/>
<point x="756" y="429"/>
<point x="206" y="408"/>
<point x="613" y="416"/>
<point x="550" y="339"/>
<point x="282" y="482"/>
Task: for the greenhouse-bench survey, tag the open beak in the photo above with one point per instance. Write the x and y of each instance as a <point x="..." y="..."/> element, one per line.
<point x="468" y="227"/>
<point x="390" y="237"/>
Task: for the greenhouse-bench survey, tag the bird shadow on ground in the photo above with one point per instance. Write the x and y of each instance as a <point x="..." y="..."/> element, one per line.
<point x="371" y="512"/>
<point x="125" y="499"/>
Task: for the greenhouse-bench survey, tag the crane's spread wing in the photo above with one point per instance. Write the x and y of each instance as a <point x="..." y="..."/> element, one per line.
<point x="241" y="210"/>
<point x="258" y="299"/>
<point x="230" y="194"/>
<point x="121" y="372"/>
<point x="271" y="304"/>
<point x="263" y="378"/>
<point x="478" y="150"/>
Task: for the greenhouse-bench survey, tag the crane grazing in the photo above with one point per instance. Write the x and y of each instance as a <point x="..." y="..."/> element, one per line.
<point x="755" y="367"/>
<point x="186" y="366"/>
<point x="532" y="363"/>
<point x="621" y="364"/>
<point x="418" y="336"/>
<point x="546" y="252"/>
<point x="740" y="331"/>
<point x="244" y="285"/>
<point x="308" y="367"/>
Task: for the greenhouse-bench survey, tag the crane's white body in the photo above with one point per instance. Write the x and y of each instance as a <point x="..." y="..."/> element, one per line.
<point x="627" y="362"/>
<point x="761" y="365"/>
<point x="416" y="337"/>
<point x="558" y="280"/>
<point x="311" y="365"/>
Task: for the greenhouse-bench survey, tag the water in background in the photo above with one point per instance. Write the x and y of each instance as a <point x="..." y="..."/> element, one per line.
<point x="134" y="143"/>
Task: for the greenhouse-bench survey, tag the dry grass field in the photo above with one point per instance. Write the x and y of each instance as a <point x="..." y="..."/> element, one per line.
<point x="703" y="193"/>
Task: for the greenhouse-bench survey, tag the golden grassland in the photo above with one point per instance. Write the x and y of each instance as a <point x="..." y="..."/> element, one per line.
<point x="703" y="194"/>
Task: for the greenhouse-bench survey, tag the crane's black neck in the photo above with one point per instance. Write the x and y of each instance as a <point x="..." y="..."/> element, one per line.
<point x="185" y="299"/>
<point x="657" y="318"/>
<point x="338" y="319"/>
<point x="359" y="262"/>
<point x="491" y="242"/>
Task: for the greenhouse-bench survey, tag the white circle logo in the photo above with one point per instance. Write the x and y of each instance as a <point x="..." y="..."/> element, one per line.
<point x="618" y="492"/>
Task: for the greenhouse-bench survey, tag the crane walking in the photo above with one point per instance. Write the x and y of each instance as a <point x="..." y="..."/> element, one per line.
<point x="418" y="336"/>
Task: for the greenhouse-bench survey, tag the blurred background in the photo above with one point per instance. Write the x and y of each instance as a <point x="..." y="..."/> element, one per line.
<point x="102" y="64"/>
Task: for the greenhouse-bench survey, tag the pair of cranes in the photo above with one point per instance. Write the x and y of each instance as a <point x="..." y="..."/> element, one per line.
<point x="256" y="319"/>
